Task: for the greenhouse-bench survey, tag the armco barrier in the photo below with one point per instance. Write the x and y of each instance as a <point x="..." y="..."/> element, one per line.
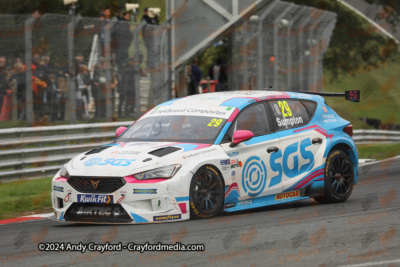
<point x="376" y="136"/>
<point x="29" y="153"/>
<point x="36" y="152"/>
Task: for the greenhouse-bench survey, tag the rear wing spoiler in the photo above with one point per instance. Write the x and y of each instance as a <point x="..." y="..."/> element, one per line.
<point x="353" y="95"/>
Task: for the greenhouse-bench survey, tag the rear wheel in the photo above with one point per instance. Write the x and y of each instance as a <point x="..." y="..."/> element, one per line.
<point x="339" y="178"/>
<point x="206" y="193"/>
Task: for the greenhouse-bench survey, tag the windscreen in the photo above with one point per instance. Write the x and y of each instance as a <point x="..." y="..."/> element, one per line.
<point x="174" y="128"/>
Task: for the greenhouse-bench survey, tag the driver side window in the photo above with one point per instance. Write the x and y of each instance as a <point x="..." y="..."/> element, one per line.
<point x="253" y="118"/>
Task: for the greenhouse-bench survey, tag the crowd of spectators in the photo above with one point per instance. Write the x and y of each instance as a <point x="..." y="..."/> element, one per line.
<point x="50" y="81"/>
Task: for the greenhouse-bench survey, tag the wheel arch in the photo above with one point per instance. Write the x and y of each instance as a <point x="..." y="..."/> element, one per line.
<point x="217" y="169"/>
<point x="351" y="152"/>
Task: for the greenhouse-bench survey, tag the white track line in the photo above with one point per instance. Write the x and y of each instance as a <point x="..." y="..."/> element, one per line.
<point x="44" y="215"/>
<point x="372" y="263"/>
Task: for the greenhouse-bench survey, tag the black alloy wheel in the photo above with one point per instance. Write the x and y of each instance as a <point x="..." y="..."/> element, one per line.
<point x="206" y="193"/>
<point x="339" y="178"/>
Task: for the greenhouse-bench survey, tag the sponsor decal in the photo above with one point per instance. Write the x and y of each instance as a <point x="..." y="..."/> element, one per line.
<point x="292" y="121"/>
<point x="325" y="109"/>
<point x="233" y="154"/>
<point x="287" y="195"/>
<point x="215" y="111"/>
<point x="233" y="173"/>
<point x="225" y="162"/>
<point x="58" y="188"/>
<point x="254" y="176"/>
<point x="236" y="163"/>
<point x="166" y="217"/>
<point x="212" y="169"/>
<point x="245" y="202"/>
<point x="201" y="152"/>
<point x="85" y="198"/>
<point x="112" y="162"/>
<point x="145" y="191"/>
<point x="141" y="144"/>
<point x="329" y="118"/>
<point x="94" y="161"/>
<point x="126" y="152"/>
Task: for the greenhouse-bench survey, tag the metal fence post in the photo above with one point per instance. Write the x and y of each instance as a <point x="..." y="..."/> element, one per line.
<point x="276" y="40"/>
<point x="28" y="73"/>
<point x="107" y="53"/>
<point x="72" y="70"/>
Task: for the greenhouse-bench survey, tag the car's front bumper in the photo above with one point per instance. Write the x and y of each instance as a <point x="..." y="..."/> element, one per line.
<point x="147" y="202"/>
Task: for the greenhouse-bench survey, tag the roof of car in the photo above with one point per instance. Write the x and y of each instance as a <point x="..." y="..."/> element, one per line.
<point x="238" y="99"/>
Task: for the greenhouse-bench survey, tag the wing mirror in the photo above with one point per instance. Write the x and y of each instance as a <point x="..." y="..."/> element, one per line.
<point x="119" y="131"/>
<point x="241" y="136"/>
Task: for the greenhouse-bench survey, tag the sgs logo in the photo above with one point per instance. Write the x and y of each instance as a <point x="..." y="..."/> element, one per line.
<point x="112" y="162"/>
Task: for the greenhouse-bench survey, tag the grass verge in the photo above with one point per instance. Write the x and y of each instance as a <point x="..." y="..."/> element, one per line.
<point x="24" y="197"/>
<point x="378" y="151"/>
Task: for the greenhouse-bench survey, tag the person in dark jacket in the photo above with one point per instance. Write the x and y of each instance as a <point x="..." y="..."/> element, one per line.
<point x="123" y="36"/>
<point x="196" y="72"/>
<point x="126" y="90"/>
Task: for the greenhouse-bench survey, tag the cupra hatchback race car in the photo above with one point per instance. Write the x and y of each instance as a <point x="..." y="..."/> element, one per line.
<point x="196" y="156"/>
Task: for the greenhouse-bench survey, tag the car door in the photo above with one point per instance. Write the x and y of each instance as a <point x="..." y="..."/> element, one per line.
<point x="300" y="145"/>
<point x="255" y="164"/>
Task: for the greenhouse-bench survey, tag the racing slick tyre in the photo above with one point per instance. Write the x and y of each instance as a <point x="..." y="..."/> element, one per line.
<point x="338" y="177"/>
<point x="206" y="195"/>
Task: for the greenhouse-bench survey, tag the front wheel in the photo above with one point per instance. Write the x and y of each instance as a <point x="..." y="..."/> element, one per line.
<point x="206" y="193"/>
<point x="338" y="178"/>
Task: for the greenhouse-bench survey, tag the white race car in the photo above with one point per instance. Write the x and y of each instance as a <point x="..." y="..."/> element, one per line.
<point x="199" y="155"/>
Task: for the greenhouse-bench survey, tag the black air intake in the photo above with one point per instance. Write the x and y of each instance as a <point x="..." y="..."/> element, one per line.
<point x="161" y="152"/>
<point x="86" y="212"/>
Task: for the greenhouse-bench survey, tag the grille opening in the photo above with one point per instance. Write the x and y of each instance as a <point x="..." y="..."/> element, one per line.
<point x="87" y="212"/>
<point x="101" y="185"/>
<point x="60" y="203"/>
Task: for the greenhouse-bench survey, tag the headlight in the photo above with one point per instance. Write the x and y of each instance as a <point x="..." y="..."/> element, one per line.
<point x="163" y="172"/>
<point x="64" y="172"/>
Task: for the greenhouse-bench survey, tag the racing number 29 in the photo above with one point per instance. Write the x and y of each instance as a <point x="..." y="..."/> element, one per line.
<point x="285" y="108"/>
<point x="215" y="122"/>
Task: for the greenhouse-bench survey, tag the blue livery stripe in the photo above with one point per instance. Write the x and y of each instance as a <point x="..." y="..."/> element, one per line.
<point x="138" y="218"/>
<point x="179" y="199"/>
<point x="238" y="102"/>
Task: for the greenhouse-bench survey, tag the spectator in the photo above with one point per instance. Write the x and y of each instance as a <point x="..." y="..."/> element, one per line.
<point x="52" y="91"/>
<point x="105" y="19"/>
<point x="196" y="72"/>
<point x="124" y="37"/>
<point x="126" y="90"/>
<point x="36" y="60"/>
<point x="151" y="19"/>
<point x="191" y="82"/>
<point x="82" y="94"/>
<point x="219" y="72"/>
<point x="98" y="89"/>
<point x="38" y="87"/>
<point x="61" y="98"/>
<point x="18" y="75"/>
<point x="3" y="82"/>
